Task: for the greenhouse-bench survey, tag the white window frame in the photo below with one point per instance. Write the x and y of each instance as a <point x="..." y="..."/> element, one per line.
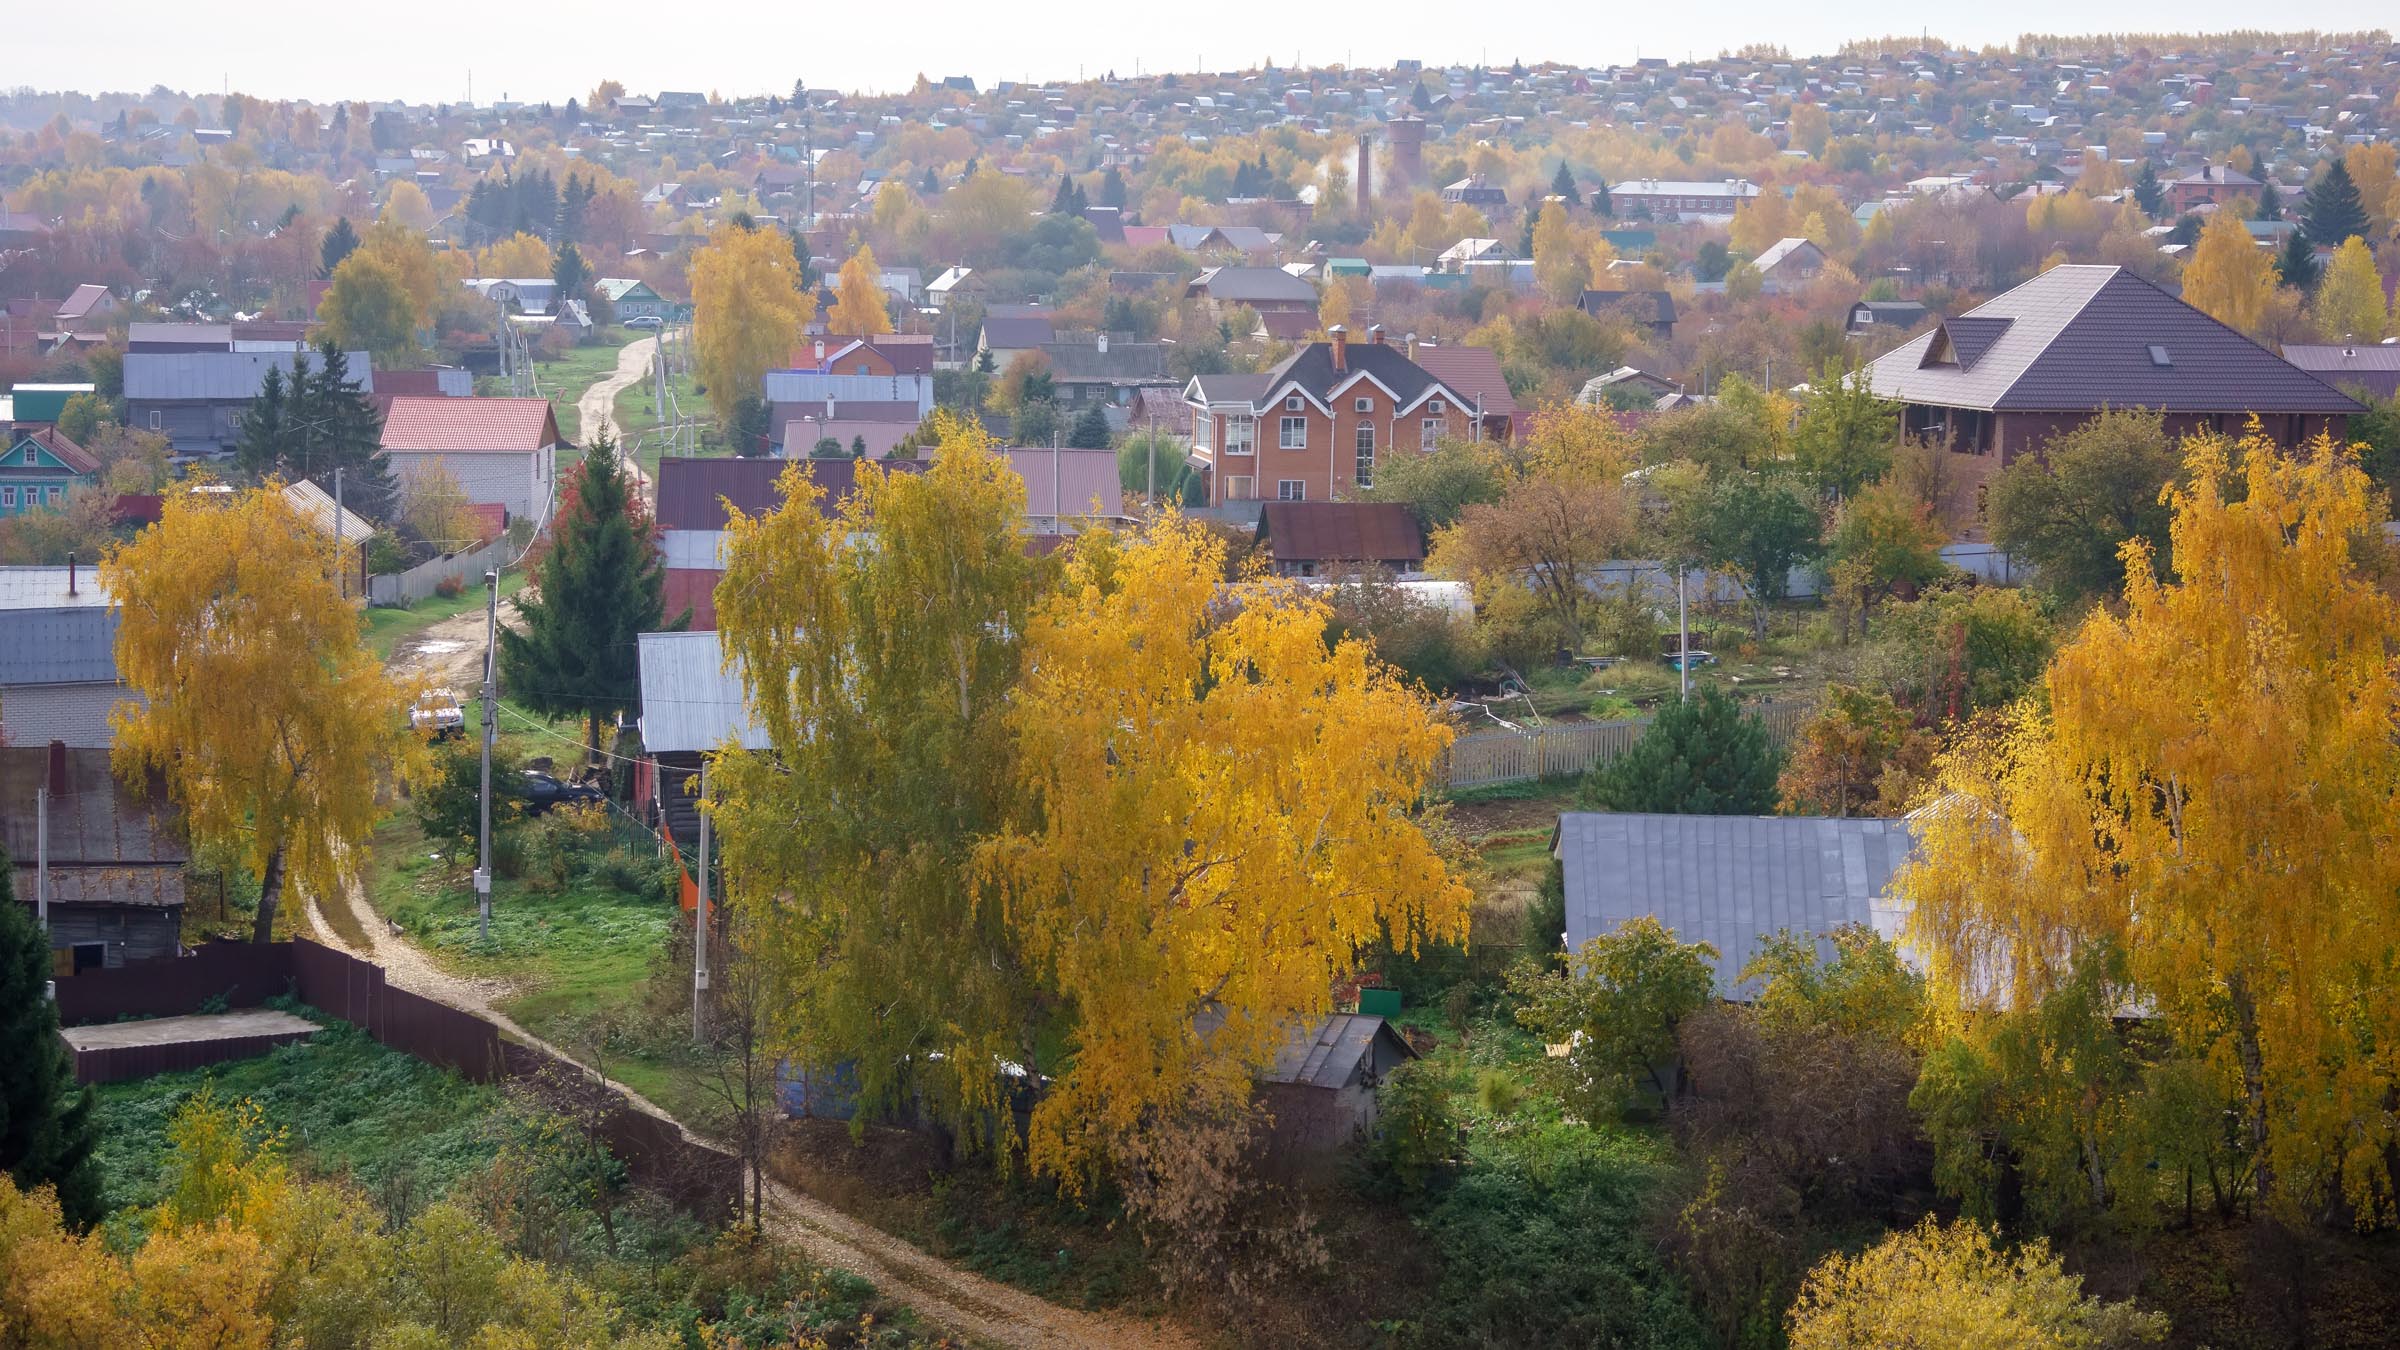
<point x="1362" y="447"/>
<point x="1240" y="487"/>
<point x="154" y="419"/>
<point x="1291" y="489"/>
<point x="8" y="496"/>
<point x="1430" y="434"/>
<point x="1292" y="434"/>
<point x="1241" y="435"/>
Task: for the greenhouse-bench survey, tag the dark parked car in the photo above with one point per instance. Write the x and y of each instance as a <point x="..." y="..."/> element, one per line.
<point x="541" y="792"/>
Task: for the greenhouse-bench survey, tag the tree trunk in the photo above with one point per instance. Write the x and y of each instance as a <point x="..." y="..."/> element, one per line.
<point x="270" y="892"/>
<point x="2254" y="1082"/>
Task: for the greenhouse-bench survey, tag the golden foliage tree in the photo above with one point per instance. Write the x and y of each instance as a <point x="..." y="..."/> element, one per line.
<point x="1561" y="266"/>
<point x="859" y="308"/>
<point x="1216" y="816"/>
<point x="519" y="255"/>
<point x="407" y="205"/>
<point x="1565" y="508"/>
<point x="273" y="724"/>
<point x="879" y="649"/>
<point x="748" y="310"/>
<point x="2229" y="278"/>
<point x="2349" y="302"/>
<point x="2205" y="796"/>
<point x="1950" y="1285"/>
<point x="368" y="308"/>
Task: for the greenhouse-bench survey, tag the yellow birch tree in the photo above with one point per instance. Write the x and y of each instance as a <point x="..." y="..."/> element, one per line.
<point x="859" y="309"/>
<point x="2349" y="303"/>
<point x="748" y="310"/>
<point x="2229" y="278"/>
<point x="2210" y="793"/>
<point x="1216" y="816"/>
<point x="274" y="727"/>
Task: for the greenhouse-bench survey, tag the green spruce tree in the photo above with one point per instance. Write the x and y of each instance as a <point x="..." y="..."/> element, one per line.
<point x="1090" y="430"/>
<point x="265" y="439"/>
<point x="2147" y="194"/>
<point x="569" y="272"/>
<point x="2332" y="212"/>
<point x="1702" y="757"/>
<point x="1563" y="186"/>
<point x="2270" y="202"/>
<point x="600" y="584"/>
<point x="340" y="242"/>
<point x="47" y="1125"/>
<point x="2297" y="264"/>
<point x="340" y="429"/>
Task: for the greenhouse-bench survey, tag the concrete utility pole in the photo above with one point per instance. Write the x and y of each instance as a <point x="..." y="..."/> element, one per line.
<point x="491" y="690"/>
<point x="1683" y="637"/>
<point x="700" y="926"/>
<point x="341" y="572"/>
<point x="41" y="849"/>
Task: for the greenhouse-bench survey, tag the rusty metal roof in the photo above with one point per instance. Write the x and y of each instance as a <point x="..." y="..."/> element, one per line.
<point x="1359" y="532"/>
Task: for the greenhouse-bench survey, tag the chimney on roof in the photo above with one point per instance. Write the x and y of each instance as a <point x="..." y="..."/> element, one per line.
<point x="1341" y="348"/>
<point x="1104" y="344"/>
<point x="58" y="769"/>
<point x="70" y="572"/>
<point x="1375" y="333"/>
<point x="1412" y="346"/>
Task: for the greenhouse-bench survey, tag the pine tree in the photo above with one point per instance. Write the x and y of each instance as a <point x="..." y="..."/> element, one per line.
<point x="1563" y="186"/>
<point x="1063" y="204"/>
<point x="339" y="429"/>
<point x="570" y="273"/>
<point x="47" y="1129"/>
<point x="1090" y="430"/>
<point x="2297" y="264"/>
<point x="1601" y="206"/>
<point x="265" y="443"/>
<point x="1112" y="189"/>
<point x="2270" y="201"/>
<point x="597" y="588"/>
<point x="1702" y="757"/>
<point x="2332" y="212"/>
<point x="340" y="242"/>
<point x="2147" y="194"/>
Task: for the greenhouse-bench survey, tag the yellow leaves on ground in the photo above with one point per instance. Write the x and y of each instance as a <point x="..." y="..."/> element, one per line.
<point x="2210" y="792"/>
<point x="1217" y="816"/>
<point x="270" y="719"/>
<point x="748" y="309"/>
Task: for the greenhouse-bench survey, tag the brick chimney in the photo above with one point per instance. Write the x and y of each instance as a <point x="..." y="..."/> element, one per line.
<point x="1341" y="348"/>
<point x="1375" y="333"/>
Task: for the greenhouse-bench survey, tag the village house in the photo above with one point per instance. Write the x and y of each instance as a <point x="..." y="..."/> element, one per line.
<point x="632" y="298"/>
<point x="1789" y="262"/>
<point x="693" y="497"/>
<point x="1313" y="428"/>
<point x="195" y="394"/>
<point x="1316" y="539"/>
<point x="1013" y="331"/>
<point x="2210" y="185"/>
<point x="2000" y="380"/>
<point x="58" y="663"/>
<point x="1673" y="199"/>
<point x="1265" y="290"/>
<point x="1651" y="314"/>
<point x="502" y="451"/>
<point x="114" y="857"/>
<point x="41" y="467"/>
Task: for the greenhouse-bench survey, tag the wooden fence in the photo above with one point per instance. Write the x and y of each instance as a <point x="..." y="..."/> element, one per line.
<point x="701" y="1180"/>
<point x="1564" y="749"/>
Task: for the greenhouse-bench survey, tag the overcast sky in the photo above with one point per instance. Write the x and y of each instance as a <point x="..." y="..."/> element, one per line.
<point x="533" y="52"/>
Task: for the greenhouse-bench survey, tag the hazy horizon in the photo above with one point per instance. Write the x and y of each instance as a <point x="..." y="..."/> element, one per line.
<point x="540" y="54"/>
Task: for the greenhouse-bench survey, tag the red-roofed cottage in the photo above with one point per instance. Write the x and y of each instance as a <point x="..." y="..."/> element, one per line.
<point x="501" y="450"/>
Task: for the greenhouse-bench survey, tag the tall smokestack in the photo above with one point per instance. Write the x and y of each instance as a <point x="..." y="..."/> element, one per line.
<point x="1366" y="172"/>
<point x="1341" y="348"/>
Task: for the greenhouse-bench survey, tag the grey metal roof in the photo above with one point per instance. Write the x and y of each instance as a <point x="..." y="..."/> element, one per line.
<point x="690" y="701"/>
<point x="58" y="646"/>
<point x="1328" y="1054"/>
<point x="48" y="587"/>
<point x="1729" y="880"/>
<point x="221" y="376"/>
<point x="2079" y="337"/>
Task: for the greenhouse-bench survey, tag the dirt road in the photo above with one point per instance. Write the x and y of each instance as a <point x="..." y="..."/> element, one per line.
<point x="449" y="653"/>
<point x="953" y="1299"/>
<point x="596" y="411"/>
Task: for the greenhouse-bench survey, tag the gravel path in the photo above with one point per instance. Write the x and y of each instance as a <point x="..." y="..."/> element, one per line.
<point x="596" y="411"/>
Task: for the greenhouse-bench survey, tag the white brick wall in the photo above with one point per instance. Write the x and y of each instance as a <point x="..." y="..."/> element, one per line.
<point x="37" y="714"/>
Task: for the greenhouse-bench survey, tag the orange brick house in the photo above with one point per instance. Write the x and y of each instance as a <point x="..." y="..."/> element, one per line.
<point x="1313" y="428"/>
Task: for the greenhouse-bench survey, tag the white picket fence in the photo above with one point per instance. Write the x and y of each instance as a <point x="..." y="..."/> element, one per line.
<point x="1563" y="749"/>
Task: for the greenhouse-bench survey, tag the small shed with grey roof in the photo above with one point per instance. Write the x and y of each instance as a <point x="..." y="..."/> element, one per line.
<point x="1321" y="1087"/>
<point x="1730" y="881"/>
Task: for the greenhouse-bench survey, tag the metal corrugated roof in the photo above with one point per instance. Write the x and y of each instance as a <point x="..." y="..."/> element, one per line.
<point x="47" y="587"/>
<point x="58" y="646"/>
<point x="98" y="821"/>
<point x="1730" y="881"/>
<point x="2079" y="337"/>
<point x="1327" y="1055"/>
<point x="690" y="701"/>
<point x="1352" y="532"/>
<point x="220" y="376"/>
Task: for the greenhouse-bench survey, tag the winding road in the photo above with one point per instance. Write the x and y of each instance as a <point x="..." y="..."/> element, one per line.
<point x="596" y="411"/>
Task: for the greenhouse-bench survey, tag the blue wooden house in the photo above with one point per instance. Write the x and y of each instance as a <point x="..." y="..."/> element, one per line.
<point x="40" y="467"/>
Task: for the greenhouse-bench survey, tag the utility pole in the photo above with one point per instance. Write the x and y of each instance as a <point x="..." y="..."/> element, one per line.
<point x="341" y="570"/>
<point x="491" y="666"/>
<point x="1683" y="636"/>
<point x="700" y="926"/>
<point x="41" y="849"/>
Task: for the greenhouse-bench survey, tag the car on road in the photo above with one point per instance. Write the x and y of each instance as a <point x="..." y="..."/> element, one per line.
<point x="437" y="715"/>
<point x="645" y="321"/>
<point x="541" y="791"/>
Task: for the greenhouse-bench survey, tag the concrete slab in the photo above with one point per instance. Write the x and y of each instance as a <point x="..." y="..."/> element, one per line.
<point x="223" y="1026"/>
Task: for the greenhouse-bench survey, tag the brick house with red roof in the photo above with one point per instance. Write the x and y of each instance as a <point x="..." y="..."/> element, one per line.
<point x="501" y="450"/>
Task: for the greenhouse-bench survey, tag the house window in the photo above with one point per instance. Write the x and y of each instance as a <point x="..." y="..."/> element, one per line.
<point x="8" y="496"/>
<point x="1241" y="435"/>
<point x="1290" y="490"/>
<point x="1238" y="487"/>
<point x="1430" y="433"/>
<point x="1200" y="432"/>
<point x="53" y="492"/>
<point x="1292" y="434"/>
<point x="1366" y="455"/>
<point x="154" y="422"/>
<point x="1362" y="405"/>
<point x="1292" y="404"/>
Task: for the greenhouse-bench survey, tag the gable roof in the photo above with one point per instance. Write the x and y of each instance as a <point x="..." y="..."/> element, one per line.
<point x="689" y="490"/>
<point x="1784" y="250"/>
<point x="1013" y="331"/>
<point x="219" y="376"/>
<point x="469" y="425"/>
<point x="1359" y="532"/>
<point x="1472" y="373"/>
<point x="97" y="822"/>
<point x="690" y="701"/>
<point x="2079" y="336"/>
<point x="1070" y="483"/>
<point x="1327" y="1055"/>
<point x="1252" y="285"/>
<point x="54" y="443"/>
<point x="1310" y="371"/>
<point x="66" y="645"/>
<point x="1730" y="881"/>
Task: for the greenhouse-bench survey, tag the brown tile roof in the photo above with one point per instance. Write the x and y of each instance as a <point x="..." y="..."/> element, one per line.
<point x="1358" y="532"/>
<point x="1471" y="373"/>
<point x="469" y="425"/>
<point x="694" y="493"/>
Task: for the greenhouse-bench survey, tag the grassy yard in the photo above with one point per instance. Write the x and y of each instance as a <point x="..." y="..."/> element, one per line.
<point x="564" y="380"/>
<point x="397" y="1126"/>
<point x="387" y="627"/>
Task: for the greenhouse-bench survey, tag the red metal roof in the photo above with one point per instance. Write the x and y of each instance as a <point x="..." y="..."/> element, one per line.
<point x="469" y="425"/>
